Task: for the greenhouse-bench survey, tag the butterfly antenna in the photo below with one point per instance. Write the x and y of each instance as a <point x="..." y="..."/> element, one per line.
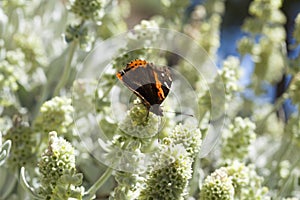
<point x="180" y="113"/>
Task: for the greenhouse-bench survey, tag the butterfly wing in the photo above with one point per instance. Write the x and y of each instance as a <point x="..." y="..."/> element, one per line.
<point x="157" y="86"/>
<point x="148" y="82"/>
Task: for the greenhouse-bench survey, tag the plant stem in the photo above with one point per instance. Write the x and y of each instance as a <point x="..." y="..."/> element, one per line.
<point x="92" y="191"/>
<point x="195" y="177"/>
<point x="67" y="69"/>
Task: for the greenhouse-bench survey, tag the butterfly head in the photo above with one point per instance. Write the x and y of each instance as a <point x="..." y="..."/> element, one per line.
<point x="156" y="109"/>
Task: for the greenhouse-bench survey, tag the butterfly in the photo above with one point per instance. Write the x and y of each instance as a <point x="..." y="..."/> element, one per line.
<point x="147" y="81"/>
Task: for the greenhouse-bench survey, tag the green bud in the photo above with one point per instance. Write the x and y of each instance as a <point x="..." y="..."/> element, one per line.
<point x="88" y="9"/>
<point x="140" y="122"/>
<point x="79" y="34"/>
<point x="23" y="145"/>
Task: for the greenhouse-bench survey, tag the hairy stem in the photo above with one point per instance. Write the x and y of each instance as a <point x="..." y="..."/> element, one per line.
<point x="92" y="191"/>
<point x="67" y="69"/>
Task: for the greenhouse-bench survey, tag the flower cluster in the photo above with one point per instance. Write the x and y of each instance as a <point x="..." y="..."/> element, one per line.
<point x="140" y="122"/>
<point x="235" y="181"/>
<point x="88" y="9"/>
<point x="57" y="167"/>
<point x="265" y="11"/>
<point x="79" y="32"/>
<point x="188" y="136"/>
<point x="169" y="176"/>
<point x="16" y="58"/>
<point x="205" y="24"/>
<point x="246" y="182"/>
<point x="218" y="185"/>
<point x="23" y="145"/>
<point x="268" y="54"/>
<point x="8" y="78"/>
<point x="12" y="70"/>
<point x="133" y="138"/>
<point x="56" y="115"/>
<point x="146" y="30"/>
<point x="32" y="47"/>
<point x="230" y="75"/>
<point x="237" y="139"/>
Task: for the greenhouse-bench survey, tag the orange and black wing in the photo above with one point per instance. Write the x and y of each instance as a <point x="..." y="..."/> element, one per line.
<point x="150" y="83"/>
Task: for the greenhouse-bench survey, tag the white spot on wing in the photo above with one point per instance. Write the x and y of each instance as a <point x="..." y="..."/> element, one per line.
<point x="166" y="84"/>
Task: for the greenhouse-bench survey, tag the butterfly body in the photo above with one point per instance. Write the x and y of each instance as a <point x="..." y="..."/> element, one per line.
<point x="149" y="82"/>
